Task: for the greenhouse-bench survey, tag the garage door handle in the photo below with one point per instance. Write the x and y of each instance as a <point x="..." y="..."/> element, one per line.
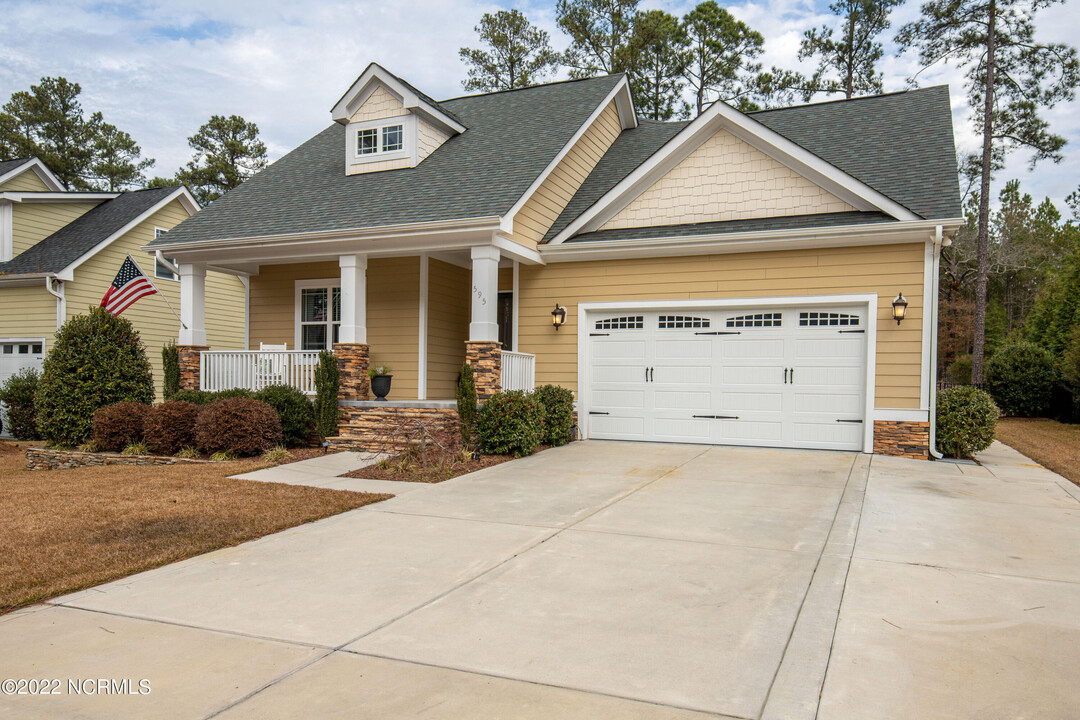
<point x="850" y="421"/>
<point x="718" y="417"/>
<point x="598" y="412"/>
<point x="720" y="332"/>
<point x="785" y="376"/>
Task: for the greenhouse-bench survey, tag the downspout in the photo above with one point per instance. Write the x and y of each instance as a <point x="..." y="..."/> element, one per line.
<point x="939" y="243"/>
<point x="61" y="301"/>
<point x="165" y="262"/>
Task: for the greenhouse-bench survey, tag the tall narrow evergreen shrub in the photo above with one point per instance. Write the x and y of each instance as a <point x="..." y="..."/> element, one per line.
<point x="170" y="363"/>
<point x="466" y="405"/>
<point x="326" y="395"/>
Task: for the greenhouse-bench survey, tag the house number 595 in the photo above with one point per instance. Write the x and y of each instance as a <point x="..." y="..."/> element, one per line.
<point x="479" y="295"/>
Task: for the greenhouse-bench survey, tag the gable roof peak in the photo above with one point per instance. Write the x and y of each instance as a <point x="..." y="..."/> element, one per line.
<point x="411" y="98"/>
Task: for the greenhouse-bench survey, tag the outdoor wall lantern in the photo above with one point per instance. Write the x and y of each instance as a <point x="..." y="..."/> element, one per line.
<point x="558" y="316"/>
<point x="899" y="308"/>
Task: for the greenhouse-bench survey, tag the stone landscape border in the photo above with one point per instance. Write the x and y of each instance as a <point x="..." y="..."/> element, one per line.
<point x="40" y="458"/>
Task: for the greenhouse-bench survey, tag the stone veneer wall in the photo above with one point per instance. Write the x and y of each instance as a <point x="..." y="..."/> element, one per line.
<point x="486" y="361"/>
<point x="902" y="439"/>
<point x="352" y="362"/>
<point x="388" y="429"/>
<point x="52" y="459"/>
<point x="189" y="365"/>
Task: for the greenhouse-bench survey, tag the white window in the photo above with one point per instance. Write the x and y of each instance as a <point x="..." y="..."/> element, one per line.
<point x="160" y="270"/>
<point x="379" y="140"/>
<point x="393" y="138"/>
<point x="374" y="141"/>
<point x="318" y="314"/>
<point x="367" y="141"/>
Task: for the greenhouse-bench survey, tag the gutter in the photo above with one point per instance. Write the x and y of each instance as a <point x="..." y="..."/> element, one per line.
<point x="61" y="301"/>
<point x="940" y="242"/>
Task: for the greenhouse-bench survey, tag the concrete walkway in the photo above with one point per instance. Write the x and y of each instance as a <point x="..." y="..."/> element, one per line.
<point x="608" y="580"/>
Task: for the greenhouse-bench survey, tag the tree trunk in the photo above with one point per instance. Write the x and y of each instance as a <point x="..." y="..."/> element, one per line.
<point x="983" y="252"/>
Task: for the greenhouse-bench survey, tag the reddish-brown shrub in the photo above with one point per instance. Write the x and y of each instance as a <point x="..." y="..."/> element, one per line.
<point x="239" y="425"/>
<point x="170" y="426"/>
<point x="118" y="425"/>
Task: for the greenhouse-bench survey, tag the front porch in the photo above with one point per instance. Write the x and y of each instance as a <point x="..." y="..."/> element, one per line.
<point x="421" y="315"/>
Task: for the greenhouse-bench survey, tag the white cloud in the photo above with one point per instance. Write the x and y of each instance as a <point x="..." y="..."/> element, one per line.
<point x="159" y="69"/>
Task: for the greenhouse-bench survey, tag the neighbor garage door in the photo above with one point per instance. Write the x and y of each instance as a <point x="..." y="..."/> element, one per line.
<point x="777" y="377"/>
<point x="16" y="354"/>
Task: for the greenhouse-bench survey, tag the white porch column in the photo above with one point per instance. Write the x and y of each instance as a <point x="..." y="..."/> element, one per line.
<point x="353" y="299"/>
<point x="192" y="304"/>
<point x="485" y="295"/>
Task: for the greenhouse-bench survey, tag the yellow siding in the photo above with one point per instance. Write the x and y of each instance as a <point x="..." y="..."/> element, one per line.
<point x="881" y="269"/>
<point x="429" y="138"/>
<point x="725" y="179"/>
<point x="393" y="312"/>
<point x="380" y="104"/>
<point x="151" y="316"/>
<point x="506" y="279"/>
<point x="448" y="327"/>
<point x="33" y="222"/>
<point x="538" y="213"/>
<point x="28" y="311"/>
<point x="27" y="181"/>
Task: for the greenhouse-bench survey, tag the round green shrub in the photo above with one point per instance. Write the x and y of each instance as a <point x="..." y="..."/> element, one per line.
<point x="238" y="425"/>
<point x="170" y="426"/>
<point x="1021" y="379"/>
<point x="17" y="394"/>
<point x="196" y="397"/>
<point x="97" y="360"/>
<point x="558" y="403"/>
<point x="232" y="393"/>
<point x="118" y="425"/>
<point x="966" y="421"/>
<point x="510" y="423"/>
<point x="294" y="410"/>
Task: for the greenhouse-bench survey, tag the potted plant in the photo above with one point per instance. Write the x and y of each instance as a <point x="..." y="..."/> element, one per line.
<point x="380" y="380"/>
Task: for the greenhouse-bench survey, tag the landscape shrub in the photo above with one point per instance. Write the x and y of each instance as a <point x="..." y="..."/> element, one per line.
<point x="1020" y="378"/>
<point x="466" y="405"/>
<point x="966" y="421"/>
<point x="959" y="372"/>
<point x="510" y="423"/>
<point x="239" y="425"/>
<point x="558" y="407"/>
<point x="205" y="397"/>
<point x="326" y="395"/>
<point x="118" y="425"/>
<point x="97" y="360"/>
<point x="17" y="394"/>
<point x="170" y="364"/>
<point x="170" y="426"/>
<point x="294" y="410"/>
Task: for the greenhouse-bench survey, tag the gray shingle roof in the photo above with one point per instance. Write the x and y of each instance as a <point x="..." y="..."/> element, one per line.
<point x="735" y="226"/>
<point x="70" y="242"/>
<point x="512" y="137"/>
<point x="7" y="166"/>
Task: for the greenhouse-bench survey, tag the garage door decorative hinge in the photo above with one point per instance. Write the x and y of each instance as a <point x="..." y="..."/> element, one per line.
<point x="718" y="417"/>
<point x="599" y="334"/>
<point x="850" y="421"/>
<point x="598" y="412"/>
<point x="850" y="331"/>
<point x="720" y="332"/>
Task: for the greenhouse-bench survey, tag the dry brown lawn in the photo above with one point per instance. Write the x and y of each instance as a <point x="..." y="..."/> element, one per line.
<point x="1052" y="444"/>
<point x="64" y="530"/>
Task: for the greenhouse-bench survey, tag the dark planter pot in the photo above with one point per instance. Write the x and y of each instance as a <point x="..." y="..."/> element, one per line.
<point x="380" y="386"/>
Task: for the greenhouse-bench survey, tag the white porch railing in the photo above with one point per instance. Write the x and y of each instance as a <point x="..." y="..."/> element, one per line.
<point x="255" y="369"/>
<point x="518" y="371"/>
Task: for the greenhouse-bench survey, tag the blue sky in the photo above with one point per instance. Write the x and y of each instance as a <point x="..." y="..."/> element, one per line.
<point x="159" y="69"/>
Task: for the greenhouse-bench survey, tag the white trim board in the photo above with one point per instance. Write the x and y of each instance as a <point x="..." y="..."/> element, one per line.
<point x="869" y="300"/>
<point x="354" y="97"/>
<point x="720" y="116"/>
<point x="421" y="360"/>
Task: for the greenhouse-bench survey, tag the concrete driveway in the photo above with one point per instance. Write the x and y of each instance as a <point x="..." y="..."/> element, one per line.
<point x="606" y="580"/>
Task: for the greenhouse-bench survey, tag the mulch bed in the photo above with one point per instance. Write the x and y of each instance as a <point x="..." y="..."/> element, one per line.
<point x="440" y="466"/>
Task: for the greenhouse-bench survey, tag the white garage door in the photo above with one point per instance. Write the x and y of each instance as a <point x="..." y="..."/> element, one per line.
<point x="783" y="377"/>
<point x="16" y="354"/>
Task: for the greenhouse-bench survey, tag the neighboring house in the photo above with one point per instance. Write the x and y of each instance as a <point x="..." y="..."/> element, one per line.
<point x="726" y="280"/>
<point x="60" y="250"/>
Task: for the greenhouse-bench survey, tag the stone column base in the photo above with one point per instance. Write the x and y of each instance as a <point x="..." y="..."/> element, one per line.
<point x="352" y="362"/>
<point x="188" y="356"/>
<point x="486" y="360"/>
<point x="902" y="439"/>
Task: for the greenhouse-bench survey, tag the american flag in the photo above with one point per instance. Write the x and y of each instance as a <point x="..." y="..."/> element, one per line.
<point x="130" y="285"/>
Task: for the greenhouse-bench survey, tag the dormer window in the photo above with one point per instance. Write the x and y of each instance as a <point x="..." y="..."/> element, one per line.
<point x="393" y="137"/>
<point x="382" y="140"/>
<point x="368" y="139"/>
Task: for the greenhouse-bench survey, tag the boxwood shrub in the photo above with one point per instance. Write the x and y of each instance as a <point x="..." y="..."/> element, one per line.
<point x="170" y="426"/>
<point x="97" y="360"/>
<point x="294" y="410"/>
<point x="238" y="425"/>
<point x="17" y="394"/>
<point x="327" y="380"/>
<point x="205" y="397"/>
<point x="966" y="421"/>
<point x="510" y="423"/>
<point x="1021" y="378"/>
<point x="558" y="404"/>
<point x="118" y="425"/>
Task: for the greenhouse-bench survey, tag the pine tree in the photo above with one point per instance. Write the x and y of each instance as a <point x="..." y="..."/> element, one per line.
<point x="227" y="152"/>
<point x="720" y="54"/>
<point x="520" y="54"/>
<point x="600" y="32"/>
<point x="656" y="56"/>
<point x="848" y="61"/>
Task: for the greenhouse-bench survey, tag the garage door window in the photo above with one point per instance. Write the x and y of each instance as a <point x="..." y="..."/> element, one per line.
<point x="755" y="320"/>
<point x="678" y="322"/>
<point x="631" y="322"/>
<point x="22" y="348"/>
<point x="827" y="319"/>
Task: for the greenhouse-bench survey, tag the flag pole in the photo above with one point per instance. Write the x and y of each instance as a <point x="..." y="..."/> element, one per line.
<point x="158" y="292"/>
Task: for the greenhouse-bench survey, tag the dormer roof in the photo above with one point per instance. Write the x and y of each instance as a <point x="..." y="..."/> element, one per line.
<point x="411" y="98"/>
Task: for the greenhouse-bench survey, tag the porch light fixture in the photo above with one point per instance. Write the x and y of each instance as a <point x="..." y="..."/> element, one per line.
<point x="899" y="308"/>
<point x="558" y="316"/>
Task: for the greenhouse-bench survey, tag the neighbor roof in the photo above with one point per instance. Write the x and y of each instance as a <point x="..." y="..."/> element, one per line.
<point x="511" y="138"/>
<point x="78" y="237"/>
<point x="7" y="166"/>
